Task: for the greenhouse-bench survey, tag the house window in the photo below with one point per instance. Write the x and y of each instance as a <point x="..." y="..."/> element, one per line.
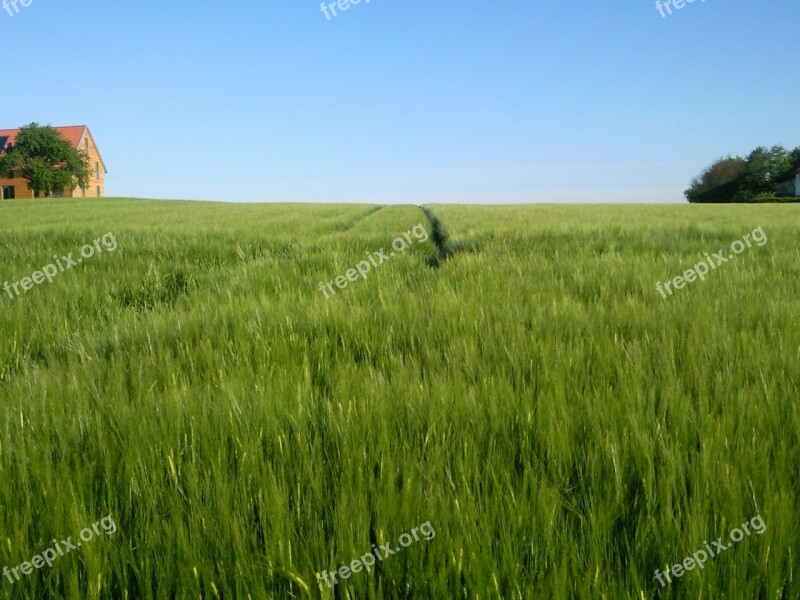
<point x="98" y="191"/>
<point x="8" y="192"/>
<point x="97" y="170"/>
<point x="86" y="144"/>
<point x="58" y="193"/>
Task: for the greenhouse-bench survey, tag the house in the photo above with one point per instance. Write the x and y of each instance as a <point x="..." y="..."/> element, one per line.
<point x="789" y="183"/>
<point x="80" y="137"/>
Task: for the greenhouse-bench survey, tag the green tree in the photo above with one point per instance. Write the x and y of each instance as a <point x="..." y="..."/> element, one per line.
<point x="762" y="168"/>
<point x="722" y="172"/>
<point x="45" y="160"/>
<point x="793" y="161"/>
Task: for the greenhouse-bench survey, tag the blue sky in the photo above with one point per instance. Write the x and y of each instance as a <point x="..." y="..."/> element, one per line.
<point x="407" y="102"/>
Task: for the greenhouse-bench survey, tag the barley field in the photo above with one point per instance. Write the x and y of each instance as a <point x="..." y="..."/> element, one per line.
<point x="513" y="386"/>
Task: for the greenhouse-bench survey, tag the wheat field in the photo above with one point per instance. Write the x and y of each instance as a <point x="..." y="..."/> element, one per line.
<point x="515" y="381"/>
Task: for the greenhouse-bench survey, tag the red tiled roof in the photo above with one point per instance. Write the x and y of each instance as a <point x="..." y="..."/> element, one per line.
<point x="71" y="133"/>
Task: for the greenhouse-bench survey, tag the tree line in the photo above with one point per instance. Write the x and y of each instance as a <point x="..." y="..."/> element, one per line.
<point x="751" y="179"/>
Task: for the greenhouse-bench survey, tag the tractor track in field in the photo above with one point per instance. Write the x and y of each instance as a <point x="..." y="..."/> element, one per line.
<point x="363" y="218"/>
<point x="445" y="248"/>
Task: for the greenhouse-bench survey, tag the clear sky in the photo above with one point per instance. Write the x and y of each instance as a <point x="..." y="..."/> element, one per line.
<point x="407" y="101"/>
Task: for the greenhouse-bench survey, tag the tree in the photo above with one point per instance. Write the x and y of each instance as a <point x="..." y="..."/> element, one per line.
<point x="794" y="156"/>
<point x="45" y="160"/>
<point x="763" y="167"/>
<point x="793" y="161"/>
<point x="722" y="172"/>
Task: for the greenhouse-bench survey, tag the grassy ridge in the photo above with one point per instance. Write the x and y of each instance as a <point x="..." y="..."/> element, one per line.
<point x="565" y="430"/>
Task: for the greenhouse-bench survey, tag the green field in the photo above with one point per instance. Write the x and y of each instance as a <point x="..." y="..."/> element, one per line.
<point x="563" y="429"/>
